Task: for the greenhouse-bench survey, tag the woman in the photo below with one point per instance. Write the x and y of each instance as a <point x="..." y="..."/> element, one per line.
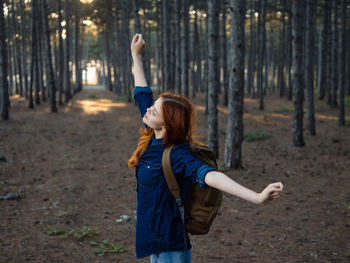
<point x="169" y="121"/>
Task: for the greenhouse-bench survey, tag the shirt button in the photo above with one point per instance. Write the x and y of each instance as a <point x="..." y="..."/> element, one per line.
<point x="148" y="166"/>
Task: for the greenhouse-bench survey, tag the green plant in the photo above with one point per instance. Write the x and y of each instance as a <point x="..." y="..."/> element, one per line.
<point x="106" y="247"/>
<point x="92" y="96"/>
<point x="257" y="136"/>
<point x="54" y="231"/>
<point x="347" y="120"/>
<point x="347" y="101"/>
<point x="123" y="98"/>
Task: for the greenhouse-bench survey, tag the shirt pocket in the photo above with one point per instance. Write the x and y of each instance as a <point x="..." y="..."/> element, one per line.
<point x="149" y="174"/>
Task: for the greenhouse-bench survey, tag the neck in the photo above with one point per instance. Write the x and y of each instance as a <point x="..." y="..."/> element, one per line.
<point x="159" y="133"/>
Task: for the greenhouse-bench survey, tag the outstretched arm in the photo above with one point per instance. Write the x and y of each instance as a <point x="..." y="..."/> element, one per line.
<point x="142" y="93"/>
<point x="137" y="45"/>
<point x="224" y="183"/>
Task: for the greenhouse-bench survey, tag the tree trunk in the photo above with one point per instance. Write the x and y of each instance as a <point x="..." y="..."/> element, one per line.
<point x="341" y="109"/>
<point x="325" y="40"/>
<point x="262" y="37"/>
<point x="185" y="47"/>
<point x="177" y="33"/>
<point x="60" y="54"/>
<point x="290" y="79"/>
<point x="137" y="17"/>
<point x="108" y="60"/>
<point x="126" y="40"/>
<point x="78" y="82"/>
<point x="40" y="68"/>
<point x="309" y="67"/>
<point x="335" y="45"/>
<point x="67" y="83"/>
<point x="224" y="51"/>
<point x="17" y="47"/>
<point x="48" y="59"/>
<point x="234" y="132"/>
<point x="213" y="74"/>
<point x="250" y="74"/>
<point x="280" y="76"/>
<point x="297" y="69"/>
<point x="33" y="63"/>
<point x="4" y="95"/>
<point x="23" y="48"/>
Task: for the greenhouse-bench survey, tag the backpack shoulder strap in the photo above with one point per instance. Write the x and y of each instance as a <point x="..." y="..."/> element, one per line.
<point x="169" y="174"/>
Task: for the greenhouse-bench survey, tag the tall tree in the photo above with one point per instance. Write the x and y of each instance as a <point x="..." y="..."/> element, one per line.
<point x="262" y="38"/>
<point x="309" y="69"/>
<point x="335" y="44"/>
<point x="166" y="45"/>
<point x="234" y="132"/>
<point x="341" y="109"/>
<point x="280" y="76"/>
<point x="297" y="69"/>
<point x="250" y="73"/>
<point x="177" y="35"/>
<point x="33" y="62"/>
<point x="4" y="96"/>
<point x="213" y="74"/>
<point x="224" y="51"/>
<point x="185" y="47"/>
<point x="23" y="47"/>
<point x="325" y="41"/>
<point x="67" y="76"/>
<point x="126" y="39"/>
<point x="78" y="79"/>
<point x="17" y="48"/>
<point x="60" y="79"/>
<point x="48" y="61"/>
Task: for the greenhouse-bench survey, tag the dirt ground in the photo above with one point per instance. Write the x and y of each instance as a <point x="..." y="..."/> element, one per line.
<point x="70" y="171"/>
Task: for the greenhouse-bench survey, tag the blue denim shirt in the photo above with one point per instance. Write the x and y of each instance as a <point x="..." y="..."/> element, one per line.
<point x="159" y="227"/>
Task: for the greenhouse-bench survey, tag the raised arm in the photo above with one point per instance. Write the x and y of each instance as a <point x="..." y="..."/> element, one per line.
<point x="142" y="93"/>
<point x="137" y="45"/>
<point x="224" y="183"/>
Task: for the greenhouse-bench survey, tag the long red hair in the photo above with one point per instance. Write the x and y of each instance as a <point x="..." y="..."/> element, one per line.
<point x="178" y="116"/>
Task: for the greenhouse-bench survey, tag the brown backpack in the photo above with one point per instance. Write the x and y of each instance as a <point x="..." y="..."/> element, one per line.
<point x="202" y="204"/>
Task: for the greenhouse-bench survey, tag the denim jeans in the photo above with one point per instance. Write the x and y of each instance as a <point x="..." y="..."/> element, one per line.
<point x="172" y="257"/>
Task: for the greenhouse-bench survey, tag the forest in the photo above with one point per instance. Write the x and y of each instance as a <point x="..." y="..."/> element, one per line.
<point x="270" y="81"/>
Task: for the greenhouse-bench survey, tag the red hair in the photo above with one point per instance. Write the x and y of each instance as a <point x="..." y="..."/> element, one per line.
<point x="178" y="116"/>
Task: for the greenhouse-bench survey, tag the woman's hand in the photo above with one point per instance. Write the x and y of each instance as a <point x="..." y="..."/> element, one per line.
<point x="271" y="192"/>
<point x="137" y="44"/>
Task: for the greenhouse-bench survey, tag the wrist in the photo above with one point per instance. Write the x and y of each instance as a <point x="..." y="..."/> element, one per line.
<point x="258" y="199"/>
<point x="135" y="55"/>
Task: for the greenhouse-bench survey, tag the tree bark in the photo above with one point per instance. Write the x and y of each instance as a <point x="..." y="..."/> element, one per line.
<point x="68" y="92"/>
<point x="48" y="59"/>
<point x="309" y="68"/>
<point x="185" y="47"/>
<point x="335" y="68"/>
<point x="177" y="35"/>
<point x="341" y="109"/>
<point x="325" y="36"/>
<point x="60" y="54"/>
<point x="78" y="79"/>
<point x="234" y="132"/>
<point x="262" y="38"/>
<point x="297" y="69"/>
<point x="4" y="95"/>
<point x="213" y="74"/>
<point x="224" y="51"/>
<point x="280" y="76"/>
<point x="23" y="48"/>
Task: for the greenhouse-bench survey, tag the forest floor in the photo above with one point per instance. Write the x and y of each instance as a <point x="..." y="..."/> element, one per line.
<point x="77" y="196"/>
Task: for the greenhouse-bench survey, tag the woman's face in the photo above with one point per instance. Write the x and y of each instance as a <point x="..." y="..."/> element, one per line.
<point x="153" y="117"/>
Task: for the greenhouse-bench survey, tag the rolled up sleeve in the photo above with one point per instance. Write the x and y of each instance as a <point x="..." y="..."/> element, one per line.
<point x="185" y="163"/>
<point x="144" y="98"/>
